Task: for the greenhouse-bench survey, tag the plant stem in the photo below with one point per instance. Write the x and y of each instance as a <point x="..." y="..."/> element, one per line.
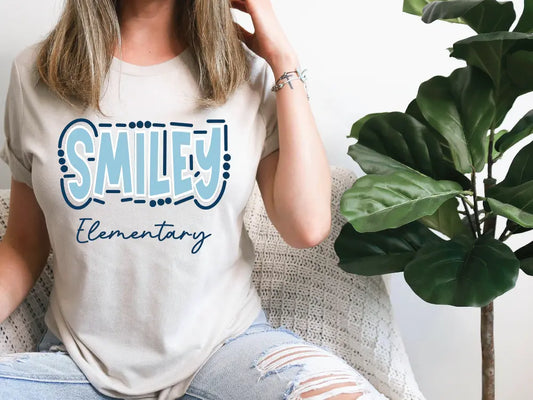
<point x="470" y="222"/>
<point x="490" y="161"/>
<point x="488" y="374"/>
<point x="466" y="200"/>
<point x="489" y="181"/>
<point x="503" y="237"/>
<point x="487" y="215"/>
<point x="476" y="212"/>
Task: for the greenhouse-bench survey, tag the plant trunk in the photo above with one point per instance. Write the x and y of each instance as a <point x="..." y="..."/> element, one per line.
<point x="487" y="352"/>
<point x="488" y="377"/>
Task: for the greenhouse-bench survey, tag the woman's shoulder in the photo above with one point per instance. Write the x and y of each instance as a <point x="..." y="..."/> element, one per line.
<point x="27" y="55"/>
<point x="26" y="62"/>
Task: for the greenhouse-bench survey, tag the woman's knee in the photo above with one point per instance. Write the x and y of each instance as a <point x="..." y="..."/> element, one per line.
<point x="322" y="375"/>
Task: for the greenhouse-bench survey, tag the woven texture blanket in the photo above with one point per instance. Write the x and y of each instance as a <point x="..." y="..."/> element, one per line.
<point x="301" y="289"/>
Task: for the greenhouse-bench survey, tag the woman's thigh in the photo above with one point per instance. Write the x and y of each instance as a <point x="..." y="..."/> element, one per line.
<point x="44" y="375"/>
<point x="266" y="363"/>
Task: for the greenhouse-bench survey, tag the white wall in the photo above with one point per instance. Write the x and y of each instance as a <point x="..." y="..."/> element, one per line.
<point x="365" y="57"/>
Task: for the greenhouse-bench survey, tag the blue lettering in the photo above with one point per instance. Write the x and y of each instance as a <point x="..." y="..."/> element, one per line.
<point x="180" y="162"/>
<point x="79" y="135"/>
<point x="116" y="163"/>
<point x="157" y="187"/>
<point x="209" y="161"/>
<point x="139" y="170"/>
<point x="162" y="233"/>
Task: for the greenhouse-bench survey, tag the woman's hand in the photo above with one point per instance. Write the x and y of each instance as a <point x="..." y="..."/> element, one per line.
<point x="268" y="40"/>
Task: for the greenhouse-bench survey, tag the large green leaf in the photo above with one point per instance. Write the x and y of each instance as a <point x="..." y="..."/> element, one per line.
<point x="377" y="202"/>
<point x="416" y="7"/>
<point x="436" y="104"/>
<point x="474" y="97"/>
<point x="521" y="168"/>
<point x="505" y="99"/>
<point x="461" y="108"/>
<point x="462" y="271"/>
<point x="525" y="255"/>
<point x="357" y="125"/>
<point x="489" y="51"/>
<point x="373" y="162"/>
<point x="519" y="69"/>
<point x="513" y="227"/>
<point x="523" y="128"/>
<point x="513" y="197"/>
<point x="414" y="110"/>
<point x="516" y="205"/>
<point x="405" y="140"/>
<point x="446" y="219"/>
<point x="486" y="51"/>
<point x="481" y="15"/>
<point x="525" y="24"/>
<point x="383" y="252"/>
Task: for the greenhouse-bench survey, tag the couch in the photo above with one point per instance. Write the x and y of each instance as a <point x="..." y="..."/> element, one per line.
<point x="301" y="289"/>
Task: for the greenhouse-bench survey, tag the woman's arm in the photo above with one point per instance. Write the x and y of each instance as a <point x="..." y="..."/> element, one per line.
<point x="23" y="249"/>
<point x="295" y="181"/>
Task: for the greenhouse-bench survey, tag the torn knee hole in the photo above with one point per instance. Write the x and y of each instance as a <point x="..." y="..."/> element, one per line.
<point x="334" y="386"/>
<point x="323" y="375"/>
<point x="292" y="347"/>
<point x="287" y="358"/>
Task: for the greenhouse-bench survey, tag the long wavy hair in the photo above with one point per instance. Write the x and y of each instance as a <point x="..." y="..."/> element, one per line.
<point x="74" y="58"/>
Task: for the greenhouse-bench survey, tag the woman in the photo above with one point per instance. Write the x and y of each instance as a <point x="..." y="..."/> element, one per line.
<point x="134" y="133"/>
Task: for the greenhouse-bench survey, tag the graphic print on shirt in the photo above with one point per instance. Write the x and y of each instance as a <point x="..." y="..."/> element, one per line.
<point x="144" y="163"/>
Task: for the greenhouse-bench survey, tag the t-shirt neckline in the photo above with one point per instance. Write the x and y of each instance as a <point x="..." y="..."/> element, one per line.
<point x="124" y="67"/>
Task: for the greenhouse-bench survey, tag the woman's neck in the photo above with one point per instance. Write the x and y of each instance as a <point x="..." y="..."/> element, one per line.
<point x="148" y="31"/>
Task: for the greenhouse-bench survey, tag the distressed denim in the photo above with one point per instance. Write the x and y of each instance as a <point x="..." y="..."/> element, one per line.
<point x="263" y="363"/>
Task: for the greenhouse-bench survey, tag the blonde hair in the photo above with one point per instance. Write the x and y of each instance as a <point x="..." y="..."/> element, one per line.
<point x="75" y="57"/>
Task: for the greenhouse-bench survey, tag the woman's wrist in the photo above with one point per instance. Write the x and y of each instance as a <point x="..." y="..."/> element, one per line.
<point x="283" y="61"/>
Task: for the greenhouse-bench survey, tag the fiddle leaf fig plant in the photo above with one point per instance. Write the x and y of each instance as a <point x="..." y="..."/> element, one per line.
<point x="422" y="164"/>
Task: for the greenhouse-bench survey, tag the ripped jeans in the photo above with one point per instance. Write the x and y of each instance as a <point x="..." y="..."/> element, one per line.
<point x="263" y="363"/>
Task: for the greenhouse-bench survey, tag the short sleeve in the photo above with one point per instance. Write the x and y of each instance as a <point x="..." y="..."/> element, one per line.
<point x="11" y="152"/>
<point x="268" y="110"/>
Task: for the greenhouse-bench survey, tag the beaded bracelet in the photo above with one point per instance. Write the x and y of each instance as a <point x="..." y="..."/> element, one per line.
<point x="288" y="76"/>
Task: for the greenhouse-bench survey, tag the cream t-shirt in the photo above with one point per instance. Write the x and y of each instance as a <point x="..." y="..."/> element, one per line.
<point x="144" y="210"/>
